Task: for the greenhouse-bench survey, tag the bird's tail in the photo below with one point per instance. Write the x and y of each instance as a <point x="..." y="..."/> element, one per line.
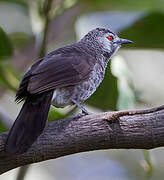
<point x="29" y="124"/>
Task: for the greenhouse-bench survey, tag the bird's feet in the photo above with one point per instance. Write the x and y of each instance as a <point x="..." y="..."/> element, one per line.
<point x="84" y="111"/>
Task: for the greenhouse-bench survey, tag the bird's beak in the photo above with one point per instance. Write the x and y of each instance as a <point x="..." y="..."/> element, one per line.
<point x="124" y="41"/>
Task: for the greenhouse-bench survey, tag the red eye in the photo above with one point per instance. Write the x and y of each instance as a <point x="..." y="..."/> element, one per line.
<point x="110" y="38"/>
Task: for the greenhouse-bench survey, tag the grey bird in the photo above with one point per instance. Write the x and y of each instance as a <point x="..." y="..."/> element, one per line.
<point x="66" y="76"/>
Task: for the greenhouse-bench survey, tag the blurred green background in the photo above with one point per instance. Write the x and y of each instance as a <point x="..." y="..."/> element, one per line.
<point x="134" y="77"/>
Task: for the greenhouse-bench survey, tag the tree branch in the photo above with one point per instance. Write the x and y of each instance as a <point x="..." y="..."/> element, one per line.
<point x="139" y="129"/>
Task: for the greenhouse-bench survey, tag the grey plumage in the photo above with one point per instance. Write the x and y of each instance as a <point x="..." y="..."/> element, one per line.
<point x="68" y="75"/>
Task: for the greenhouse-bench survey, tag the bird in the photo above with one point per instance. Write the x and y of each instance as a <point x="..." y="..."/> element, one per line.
<point x="66" y="76"/>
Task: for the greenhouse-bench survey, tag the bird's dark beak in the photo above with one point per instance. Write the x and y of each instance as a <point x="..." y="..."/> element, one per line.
<point x="124" y="41"/>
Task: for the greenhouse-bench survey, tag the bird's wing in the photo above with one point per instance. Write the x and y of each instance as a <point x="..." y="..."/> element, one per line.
<point x="60" y="71"/>
<point x="22" y="92"/>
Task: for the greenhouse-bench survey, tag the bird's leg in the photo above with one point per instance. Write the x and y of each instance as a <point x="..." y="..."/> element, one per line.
<point x="84" y="111"/>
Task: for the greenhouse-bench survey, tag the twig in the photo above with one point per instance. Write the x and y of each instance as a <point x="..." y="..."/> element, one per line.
<point x="119" y="114"/>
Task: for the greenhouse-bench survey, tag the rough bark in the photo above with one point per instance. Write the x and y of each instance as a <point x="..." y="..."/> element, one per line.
<point x="139" y="129"/>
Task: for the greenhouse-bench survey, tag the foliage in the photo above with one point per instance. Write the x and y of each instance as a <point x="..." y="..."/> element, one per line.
<point x="5" y="46"/>
<point x="115" y="92"/>
<point x="147" y="32"/>
<point x="103" y="5"/>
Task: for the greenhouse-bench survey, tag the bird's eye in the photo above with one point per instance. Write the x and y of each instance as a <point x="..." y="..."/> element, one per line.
<point x="110" y="38"/>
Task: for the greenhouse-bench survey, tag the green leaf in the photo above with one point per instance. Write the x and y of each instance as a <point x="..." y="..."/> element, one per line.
<point x="2" y="127"/>
<point x="19" y="39"/>
<point x="55" y="115"/>
<point x="126" y="98"/>
<point x="6" y="49"/>
<point x="8" y="78"/>
<point x="18" y="2"/>
<point x="106" y="95"/>
<point x="104" y="5"/>
<point x="146" y="32"/>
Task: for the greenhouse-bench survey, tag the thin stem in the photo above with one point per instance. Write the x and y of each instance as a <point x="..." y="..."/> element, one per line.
<point x="22" y="172"/>
<point x="47" y="6"/>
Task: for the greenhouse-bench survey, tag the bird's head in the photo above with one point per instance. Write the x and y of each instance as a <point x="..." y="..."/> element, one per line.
<point x="105" y="40"/>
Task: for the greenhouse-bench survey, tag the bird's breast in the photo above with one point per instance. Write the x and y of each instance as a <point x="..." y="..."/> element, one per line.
<point x="63" y="96"/>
